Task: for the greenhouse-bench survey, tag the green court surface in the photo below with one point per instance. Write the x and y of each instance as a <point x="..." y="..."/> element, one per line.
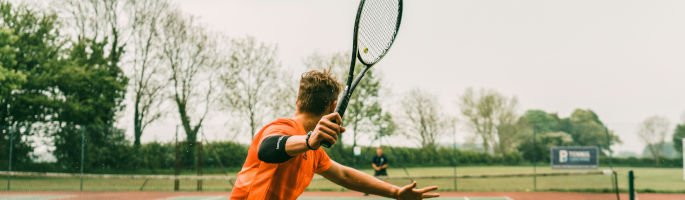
<point x="667" y="180"/>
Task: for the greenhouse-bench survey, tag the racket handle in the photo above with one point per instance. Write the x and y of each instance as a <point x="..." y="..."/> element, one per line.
<point x="326" y="144"/>
<point x="340" y="109"/>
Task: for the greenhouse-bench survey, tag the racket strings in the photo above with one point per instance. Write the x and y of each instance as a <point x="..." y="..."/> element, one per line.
<point x="377" y="29"/>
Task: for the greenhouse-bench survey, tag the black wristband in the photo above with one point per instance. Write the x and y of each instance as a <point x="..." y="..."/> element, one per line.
<point x="306" y="141"/>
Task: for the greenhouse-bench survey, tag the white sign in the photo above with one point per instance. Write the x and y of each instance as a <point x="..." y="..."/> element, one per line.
<point x="357" y="151"/>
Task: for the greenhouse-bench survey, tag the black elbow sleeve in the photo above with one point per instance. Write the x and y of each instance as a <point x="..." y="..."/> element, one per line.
<point x="272" y="149"/>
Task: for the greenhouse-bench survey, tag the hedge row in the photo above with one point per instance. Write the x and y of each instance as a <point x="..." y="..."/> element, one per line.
<point x="159" y="158"/>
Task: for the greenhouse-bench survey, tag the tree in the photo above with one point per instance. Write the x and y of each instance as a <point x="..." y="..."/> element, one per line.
<point x="191" y="57"/>
<point x="587" y="129"/>
<point x="387" y="127"/>
<point x="92" y="85"/>
<point x="653" y="131"/>
<point x="678" y="136"/>
<point x="364" y="114"/>
<point x="255" y="86"/>
<point x="146" y="65"/>
<point x="541" y="132"/>
<point x="541" y="122"/>
<point x="486" y="111"/>
<point x="30" y="50"/>
<point x="91" y="92"/>
<point x="425" y="123"/>
<point x="582" y="128"/>
<point x="95" y="19"/>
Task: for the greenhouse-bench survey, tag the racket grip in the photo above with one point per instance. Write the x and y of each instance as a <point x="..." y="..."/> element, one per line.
<point x="326" y="144"/>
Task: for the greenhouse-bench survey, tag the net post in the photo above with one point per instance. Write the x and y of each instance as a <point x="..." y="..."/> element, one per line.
<point x="683" y="154"/>
<point x="631" y="185"/>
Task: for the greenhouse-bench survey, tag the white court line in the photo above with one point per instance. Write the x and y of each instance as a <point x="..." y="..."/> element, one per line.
<point x="466" y="198"/>
<point x="216" y="198"/>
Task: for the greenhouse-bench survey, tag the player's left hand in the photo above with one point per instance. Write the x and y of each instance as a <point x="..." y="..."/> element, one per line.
<point x="409" y="192"/>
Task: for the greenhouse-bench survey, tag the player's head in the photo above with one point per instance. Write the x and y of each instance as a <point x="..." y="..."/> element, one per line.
<point x="379" y="151"/>
<point x="318" y="92"/>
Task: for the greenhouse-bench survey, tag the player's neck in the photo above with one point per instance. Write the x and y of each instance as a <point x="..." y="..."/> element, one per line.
<point x="307" y="120"/>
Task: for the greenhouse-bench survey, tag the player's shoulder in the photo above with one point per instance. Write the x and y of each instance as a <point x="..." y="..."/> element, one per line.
<point x="284" y="126"/>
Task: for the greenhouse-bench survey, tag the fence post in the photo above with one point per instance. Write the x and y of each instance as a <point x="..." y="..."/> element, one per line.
<point x="535" y="163"/>
<point x="454" y="155"/>
<point x="199" y="164"/>
<point x="83" y="151"/>
<point x="454" y="173"/>
<point x="9" y="178"/>
<point x="177" y="167"/>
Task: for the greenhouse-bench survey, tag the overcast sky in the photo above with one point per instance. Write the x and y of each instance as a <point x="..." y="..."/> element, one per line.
<point x="623" y="59"/>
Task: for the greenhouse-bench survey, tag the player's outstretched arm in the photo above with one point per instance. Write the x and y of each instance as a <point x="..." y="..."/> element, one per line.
<point x="362" y="182"/>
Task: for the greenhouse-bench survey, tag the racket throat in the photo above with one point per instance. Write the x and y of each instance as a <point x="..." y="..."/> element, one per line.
<point x="345" y="98"/>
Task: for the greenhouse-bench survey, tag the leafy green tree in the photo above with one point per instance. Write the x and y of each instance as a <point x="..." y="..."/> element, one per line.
<point x="541" y="122"/>
<point x="29" y="52"/>
<point x="387" y="127"/>
<point x="545" y="127"/>
<point x="587" y="129"/>
<point x="582" y="128"/>
<point x="91" y="89"/>
<point x="91" y="85"/>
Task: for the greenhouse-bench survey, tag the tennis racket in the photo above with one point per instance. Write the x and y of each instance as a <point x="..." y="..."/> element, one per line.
<point x="375" y="30"/>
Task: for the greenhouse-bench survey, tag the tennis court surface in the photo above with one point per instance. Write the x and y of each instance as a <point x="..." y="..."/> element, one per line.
<point x="18" y="195"/>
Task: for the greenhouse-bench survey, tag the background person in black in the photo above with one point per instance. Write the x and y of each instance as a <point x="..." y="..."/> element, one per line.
<point x="379" y="163"/>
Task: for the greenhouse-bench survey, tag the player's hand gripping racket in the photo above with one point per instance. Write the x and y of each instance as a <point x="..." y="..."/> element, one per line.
<point x="375" y="30"/>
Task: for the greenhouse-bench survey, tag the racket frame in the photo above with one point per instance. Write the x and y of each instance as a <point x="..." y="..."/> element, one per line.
<point x="352" y="82"/>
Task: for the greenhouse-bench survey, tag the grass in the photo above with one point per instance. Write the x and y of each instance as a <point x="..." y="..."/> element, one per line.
<point x="647" y="180"/>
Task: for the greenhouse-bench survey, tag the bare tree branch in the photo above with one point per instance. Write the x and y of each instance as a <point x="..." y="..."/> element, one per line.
<point x="654" y="131"/>
<point x="255" y="85"/>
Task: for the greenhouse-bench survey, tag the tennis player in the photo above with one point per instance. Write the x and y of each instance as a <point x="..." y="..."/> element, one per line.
<point x="285" y="154"/>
